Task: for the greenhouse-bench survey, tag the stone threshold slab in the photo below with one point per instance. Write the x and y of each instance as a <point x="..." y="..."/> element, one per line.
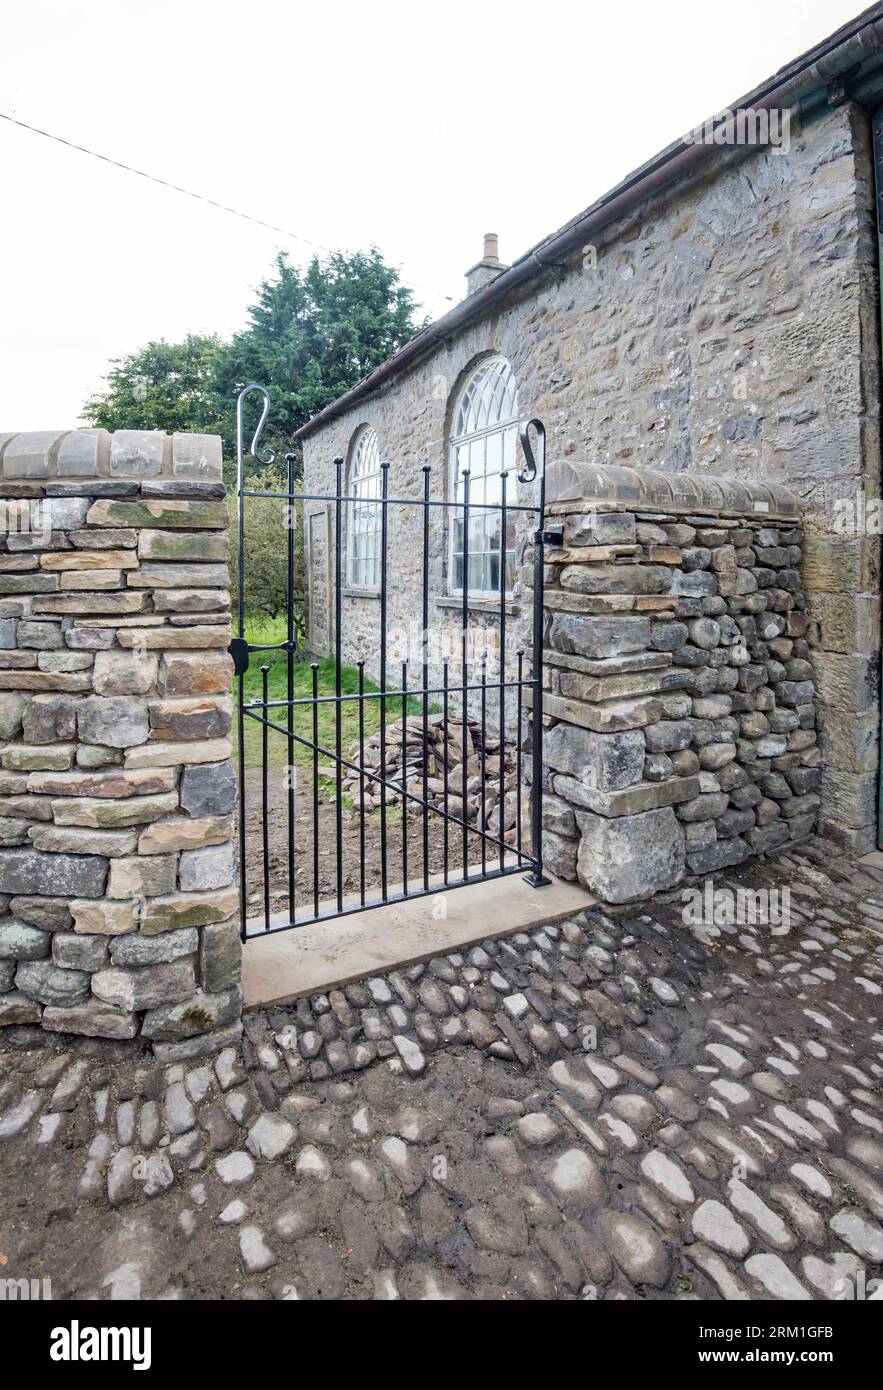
<point x="282" y="966"/>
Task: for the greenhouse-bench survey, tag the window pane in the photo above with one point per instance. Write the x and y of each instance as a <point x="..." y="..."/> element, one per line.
<point x="479" y="458"/>
<point x="485" y="439"/>
<point x="365" y="520"/>
<point x="461" y="461"/>
<point x="510" y="438"/>
<point x="494" y="455"/>
<point x="476" y="531"/>
<point x="493" y="491"/>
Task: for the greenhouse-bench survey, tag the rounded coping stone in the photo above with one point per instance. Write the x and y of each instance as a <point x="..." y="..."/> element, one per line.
<point x="29" y="453"/>
<point x="90" y="453"/>
<point x="630" y="489"/>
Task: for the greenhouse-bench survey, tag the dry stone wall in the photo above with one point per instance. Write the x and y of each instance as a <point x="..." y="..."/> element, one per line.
<point x="679" y="684"/>
<point x="118" y="896"/>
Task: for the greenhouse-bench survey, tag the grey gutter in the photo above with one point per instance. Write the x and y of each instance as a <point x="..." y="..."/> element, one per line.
<point x="802" y="82"/>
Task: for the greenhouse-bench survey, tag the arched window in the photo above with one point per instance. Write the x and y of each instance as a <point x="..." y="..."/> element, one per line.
<point x="363" y="569"/>
<point x="483" y="439"/>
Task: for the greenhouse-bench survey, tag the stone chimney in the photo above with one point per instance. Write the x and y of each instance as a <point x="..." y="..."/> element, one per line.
<point x="488" y="268"/>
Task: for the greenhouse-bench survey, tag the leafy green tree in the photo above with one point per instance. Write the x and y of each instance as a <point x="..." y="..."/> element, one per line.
<point x="163" y="386"/>
<point x="266" y="522"/>
<point x="314" y="332"/>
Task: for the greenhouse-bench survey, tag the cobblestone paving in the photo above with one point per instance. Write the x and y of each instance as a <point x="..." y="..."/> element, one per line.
<point x="619" y="1106"/>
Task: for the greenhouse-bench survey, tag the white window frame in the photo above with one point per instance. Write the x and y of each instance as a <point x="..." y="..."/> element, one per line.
<point x="363" y="481"/>
<point x="504" y="426"/>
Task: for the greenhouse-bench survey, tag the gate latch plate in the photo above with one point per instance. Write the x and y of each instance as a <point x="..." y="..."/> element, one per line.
<point x="553" y="537"/>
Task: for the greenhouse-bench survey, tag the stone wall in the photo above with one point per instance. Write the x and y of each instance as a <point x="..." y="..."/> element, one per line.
<point x="118" y="900"/>
<point x="679" y="686"/>
<point x="727" y="327"/>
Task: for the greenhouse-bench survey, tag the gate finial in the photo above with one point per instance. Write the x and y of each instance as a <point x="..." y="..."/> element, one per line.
<point x="532" y="467"/>
<point x="255" y="439"/>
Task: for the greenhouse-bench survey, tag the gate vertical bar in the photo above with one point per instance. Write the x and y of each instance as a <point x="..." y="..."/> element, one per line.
<point x="338" y="689"/>
<point x="265" y="809"/>
<point x="445" y="700"/>
<point x="292" y="782"/>
<point x="424" y="643"/>
<point x="877" y="159"/>
<point x="361" y="667"/>
<point x="404" y="767"/>
<point x="314" y="668"/>
<point x="384" y="537"/>
<point x="483" y="760"/>
<point x="536" y="781"/>
<point x="502" y="800"/>
<point x="464" y="668"/>
<point x="518" y="761"/>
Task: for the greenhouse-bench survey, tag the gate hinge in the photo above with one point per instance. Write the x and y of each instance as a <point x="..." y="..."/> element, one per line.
<point x="239" y="650"/>
<point x="554" y="537"/>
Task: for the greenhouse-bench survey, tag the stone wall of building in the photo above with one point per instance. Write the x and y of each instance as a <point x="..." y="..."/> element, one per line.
<point x="727" y="327"/>
<point x="679" y="686"/>
<point x="118" y="897"/>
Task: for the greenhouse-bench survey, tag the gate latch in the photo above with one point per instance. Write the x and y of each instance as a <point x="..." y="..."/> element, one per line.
<point x="553" y="537"/>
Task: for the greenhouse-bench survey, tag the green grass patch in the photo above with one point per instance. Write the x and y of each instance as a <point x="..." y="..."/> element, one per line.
<point x="266" y="630"/>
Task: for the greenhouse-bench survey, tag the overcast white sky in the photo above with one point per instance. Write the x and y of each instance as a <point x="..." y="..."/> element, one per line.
<point x="413" y="126"/>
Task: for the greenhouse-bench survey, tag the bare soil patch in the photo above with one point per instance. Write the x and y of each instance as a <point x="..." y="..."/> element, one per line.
<point x="360" y="854"/>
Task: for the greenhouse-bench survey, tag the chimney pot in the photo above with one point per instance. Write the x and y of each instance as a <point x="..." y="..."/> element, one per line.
<point x="488" y="268"/>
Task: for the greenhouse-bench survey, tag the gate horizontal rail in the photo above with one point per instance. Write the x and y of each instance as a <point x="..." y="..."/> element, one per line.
<point x="389" y="501"/>
<point x="393" y="692"/>
<point x="410" y="727"/>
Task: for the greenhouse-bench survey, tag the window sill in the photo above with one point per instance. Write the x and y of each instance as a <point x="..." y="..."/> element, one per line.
<point x="480" y="605"/>
<point x="360" y="593"/>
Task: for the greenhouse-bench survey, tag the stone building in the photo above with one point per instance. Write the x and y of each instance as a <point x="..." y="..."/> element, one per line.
<point x="716" y="314"/>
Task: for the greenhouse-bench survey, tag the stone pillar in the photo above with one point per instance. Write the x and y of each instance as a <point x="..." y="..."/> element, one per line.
<point x="118" y="896"/>
<point x="842" y="581"/>
<point x="678" y="677"/>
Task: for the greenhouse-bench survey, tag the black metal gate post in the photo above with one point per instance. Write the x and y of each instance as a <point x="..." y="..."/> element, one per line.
<point x="291" y="516"/>
<point x="338" y="690"/>
<point x="239" y="648"/>
<point x="537" y="468"/>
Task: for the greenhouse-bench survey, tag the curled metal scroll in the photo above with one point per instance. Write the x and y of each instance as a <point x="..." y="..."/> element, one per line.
<point x="259" y="428"/>
<point x="535" y="464"/>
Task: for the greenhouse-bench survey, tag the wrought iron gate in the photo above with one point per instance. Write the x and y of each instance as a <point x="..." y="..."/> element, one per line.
<point x="468" y="852"/>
